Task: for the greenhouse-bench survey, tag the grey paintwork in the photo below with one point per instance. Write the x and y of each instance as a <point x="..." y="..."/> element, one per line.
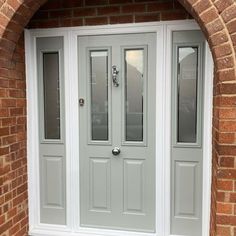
<point x="52" y="162"/>
<point x="186" y="158"/>
<point x="117" y="192"/>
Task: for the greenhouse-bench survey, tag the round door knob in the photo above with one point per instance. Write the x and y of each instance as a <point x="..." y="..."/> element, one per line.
<point x="116" y="151"/>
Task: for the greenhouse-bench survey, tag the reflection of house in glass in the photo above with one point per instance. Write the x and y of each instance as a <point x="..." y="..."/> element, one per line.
<point x="99" y="94"/>
<point x="187" y="94"/>
<point x="134" y="104"/>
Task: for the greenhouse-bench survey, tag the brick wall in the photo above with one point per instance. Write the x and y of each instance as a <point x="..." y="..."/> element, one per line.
<point x="217" y="19"/>
<point x="13" y="168"/>
<point x="65" y="13"/>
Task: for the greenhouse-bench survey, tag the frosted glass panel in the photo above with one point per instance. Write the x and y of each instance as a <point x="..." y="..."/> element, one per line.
<point x="51" y="86"/>
<point x="99" y="94"/>
<point x="187" y="94"/>
<point x="134" y="94"/>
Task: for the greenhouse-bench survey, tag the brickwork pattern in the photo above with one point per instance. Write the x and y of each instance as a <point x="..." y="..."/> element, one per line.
<point x="13" y="166"/>
<point x="66" y="13"/>
<point x="217" y="18"/>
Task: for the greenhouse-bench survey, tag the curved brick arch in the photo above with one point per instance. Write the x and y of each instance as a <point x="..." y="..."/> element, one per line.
<point x="217" y="19"/>
<point x="214" y="17"/>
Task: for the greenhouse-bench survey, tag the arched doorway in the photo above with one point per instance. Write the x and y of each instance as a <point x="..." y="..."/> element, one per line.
<point x="217" y="29"/>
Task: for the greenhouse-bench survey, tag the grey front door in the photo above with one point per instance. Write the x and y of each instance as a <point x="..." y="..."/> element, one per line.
<point x="117" y="131"/>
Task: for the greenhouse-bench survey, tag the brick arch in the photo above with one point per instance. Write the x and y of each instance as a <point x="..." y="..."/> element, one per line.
<point x="217" y="19"/>
<point x="212" y="16"/>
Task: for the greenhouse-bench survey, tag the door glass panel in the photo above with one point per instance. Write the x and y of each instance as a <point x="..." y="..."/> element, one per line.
<point x="99" y="94"/>
<point x="187" y="94"/>
<point x="134" y="74"/>
<point x="51" y="86"/>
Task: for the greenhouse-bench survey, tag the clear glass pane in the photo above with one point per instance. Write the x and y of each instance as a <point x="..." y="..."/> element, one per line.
<point x="134" y="63"/>
<point x="187" y="94"/>
<point x="99" y="94"/>
<point x="51" y="86"/>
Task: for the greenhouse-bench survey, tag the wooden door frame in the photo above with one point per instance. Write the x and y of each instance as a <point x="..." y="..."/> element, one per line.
<point x="163" y="31"/>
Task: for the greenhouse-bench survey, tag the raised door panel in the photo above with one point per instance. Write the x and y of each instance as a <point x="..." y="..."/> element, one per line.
<point x="133" y="186"/>
<point x="100" y="181"/>
<point x="52" y="189"/>
<point x="186" y="189"/>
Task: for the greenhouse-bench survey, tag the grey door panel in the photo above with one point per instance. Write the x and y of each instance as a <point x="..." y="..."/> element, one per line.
<point x="186" y="149"/>
<point x="52" y="163"/>
<point x="117" y="192"/>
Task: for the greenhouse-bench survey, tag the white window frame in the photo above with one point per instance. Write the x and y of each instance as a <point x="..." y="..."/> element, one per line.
<point x="163" y="31"/>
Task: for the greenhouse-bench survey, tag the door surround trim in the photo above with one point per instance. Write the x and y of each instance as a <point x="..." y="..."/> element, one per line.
<point x="163" y="31"/>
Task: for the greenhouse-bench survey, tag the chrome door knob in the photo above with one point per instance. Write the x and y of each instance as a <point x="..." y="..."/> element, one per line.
<point x="116" y="151"/>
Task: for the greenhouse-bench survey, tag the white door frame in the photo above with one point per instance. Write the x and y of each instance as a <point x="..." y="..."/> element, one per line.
<point x="163" y="116"/>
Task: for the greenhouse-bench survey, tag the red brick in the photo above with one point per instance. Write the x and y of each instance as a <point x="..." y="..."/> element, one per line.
<point x="222" y="50"/>
<point x="147" y="17"/>
<point x="226" y="75"/>
<point x="8" y="121"/>
<point x="16" y="93"/>
<point x="65" y="22"/>
<point x="4" y="131"/>
<point x="77" y="22"/>
<point x="4" y="150"/>
<point x="229" y="13"/>
<point x="16" y="111"/>
<point x="225" y="185"/>
<point x="133" y="8"/>
<point x="14" y="229"/>
<point x="72" y="3"/>
<point x="231" y="26"/>
<point x="223" y="231"/>
<point x="8" y="103"/>
<point x="226" y="138"/>
<point x="226" y="220"/>
<point x="221" y="5"/>
<point x="227" y="174"/>
<point x="95" y="2"/>
<point x="224" y="208"/>
<point x="4" y="112"/>
<point x="96" y="21"/>
<point x="52" y="4"/>
<point x="225" y="63"/>
<point x="226" y="149"/>
<point x="233" y="38"/>
<point x="120" y="1"/>
<point x="159" y="6"/>
<point x="5" y="226"/>
<point x="202" y="6"/>
<point x="108" y="10"/>
<point x="84" y="12"/>
<point x="220" y="196"/>
<point x="214" y="27"/>
<point x="227" y="101"/>
<point x="4" y="83"/>
<point x="209" y="15"/>
<point x="41" y="15"/>
<point x="121" y="19"/>
<point x="175" y="15"/>
<point x="60" y="13"/>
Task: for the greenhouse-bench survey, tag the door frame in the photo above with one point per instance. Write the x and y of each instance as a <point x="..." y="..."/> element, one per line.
<point x="163" y="31"/>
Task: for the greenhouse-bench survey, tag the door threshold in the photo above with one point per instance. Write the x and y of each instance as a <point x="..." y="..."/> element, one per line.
<point x="48" y="230"/>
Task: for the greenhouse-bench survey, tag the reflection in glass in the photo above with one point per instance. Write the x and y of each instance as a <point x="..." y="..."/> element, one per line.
<point x="187" y="94"/>
<point x="51" y="86"/>
<point x="99" y="94"/>
<point x="134" y="73"/>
